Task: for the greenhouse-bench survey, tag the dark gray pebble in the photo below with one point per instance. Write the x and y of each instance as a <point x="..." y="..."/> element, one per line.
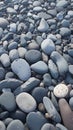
<point x="2" y="73"/>
<point x="47" y="80"/>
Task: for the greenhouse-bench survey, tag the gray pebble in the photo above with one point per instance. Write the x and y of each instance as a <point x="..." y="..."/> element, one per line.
<point x="12" y="45"/>
<point x="2" y="73"/>
<point x="62" y="3"/>
<point x="21" y="52"/>
<point x="48" y="126"/>
<point x="43" y="26"/>
<point x="64" y="31"/>
<point x="70" y="52"/>
<point x="2" y="126"/>
<point x="3" y="22"/>
<point x="11" y="10"/>
<point x="71" y="102"/>
<point x="47" y="80"/>
<point x="13" y="54"/>
<point x="65" y="23"/>
<point x="71" y="69"/>
<point x="60" y="127"/>
<point x="9" y="75"/>
<point x="5" y="60"/>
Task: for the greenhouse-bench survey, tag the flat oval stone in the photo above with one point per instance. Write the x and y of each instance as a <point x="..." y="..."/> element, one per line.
<point x="5" y="60"/>
<point x="11" y="10"/>
<point x="48" y="126"/>
<point x="21" y="68"/>
<point x="2" y="126"/>
<point x="26" y="102"/>
<point x="61" y="90"/>
<point x="43" y="26"/>
<point x="38" y="120"/>
<point x="7" y="100"/>
<point x="48" y="46"/>
<point x="53" y="114"/>
<point x="3" y="23"/>
<point x="62" y="3"/>
<point x="12" y="45"/>
<point x="15" y="125"/>
<point x="33" y="56"/>
<point x="40" y="67"/>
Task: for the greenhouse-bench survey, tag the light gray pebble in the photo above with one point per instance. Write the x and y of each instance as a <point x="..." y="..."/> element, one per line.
<point x="40" y="67"/>
<point x="62" y="3"/>
<point x="64" y="31"/>
<point x="70" y="13"/>
<point x="5" y="60"/>
<point x="48" y="126"/>
<point x="37" y="9"/>
<point x="13" y="27"/>
<point x="21" y="52"/>
<point x="11" y="10"/>
<point x="60" y="127"/>
<point x="21" y="68"/>
<point x="13" y="54"/>
<point x="48" y="46"/>
<point x="2" y="126"/>
<point x="26" y="102"/>
<point x="43" y="26"/>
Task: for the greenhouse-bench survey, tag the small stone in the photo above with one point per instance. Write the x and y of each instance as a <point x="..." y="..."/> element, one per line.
<point x="2" y="126"/>
<point x="71" y="69"/>
<point x="21" y="68"/>
<point x="15" y="124"/>
<point x="5" y="60"/>
<point x="61" y="127"/>
<point x="48" y="46"/>
<point x="53" y="114"/>
<point x="47" y="80"/>
<point x="7" y="100"/>
<point x="2" y="73"/>
<point x="21" y="52"/>
<point x="13" y="54"/>
<point x="44" y="15"/>
<point x="38" y="120"/>
<point x="52" y="37"/>
<point x="66" y="113"/>
<point x="26" y="102"/>
<point x="48" y="126"/>
<point x="61" y="90"/>
<point x="71" y="102"/>
<point x="13" y="27"/>
<point x="64" y="31"/>
<point x="4" y="115"/>
<point x="3" y="23"/>
<point x="60" y="62"/>
<point x="40" y="67"/>
<point x="12" y="45"/>
<point x="43" y="26"/>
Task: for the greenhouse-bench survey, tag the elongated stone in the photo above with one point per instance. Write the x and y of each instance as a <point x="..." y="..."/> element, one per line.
<point x="66" y="113"/>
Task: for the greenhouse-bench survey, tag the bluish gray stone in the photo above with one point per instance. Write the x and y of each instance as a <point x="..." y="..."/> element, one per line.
<point x="12" y="45"/>
<point x="38" y="120"/>
<point x="5" y="60"/>
<point x="11" y="10"/>
<point x="70" y="52"/>
<point x="48" y="46"/>
<point x="15" y="125"/>
<point x="71" y="102"/>
<point x="54" y="115"/>
<point x="53" y="69"/>
<point x="40" y="67"/>
<point x="64" y="31"/>
<point x="47" y="80"/>
<point x="13" y="54"/>
<point x="2" y="126"/>
<point x="2" y="73"/>
<point x="71" y="69"/>
<point x="43" y="26"/>
<point x="3" y="22"/>
<point x="62" y="3"/>
<point x="60" y="127"/>
<point x="60" y="62"/>
<point x="65" y="23"/>
<point x="21" y="68"/>
<point x="7" y="100"/>
<point x="48" y="126"/>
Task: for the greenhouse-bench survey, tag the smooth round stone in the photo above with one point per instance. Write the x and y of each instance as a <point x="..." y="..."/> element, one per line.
<point x="70" y="52"/>
<point x="9" y="75"/>
<point x="43" y="26"/>
<point x="48" y="126"/>
<point x="7" y="100"/>
<point x="15" y="125"/>
<point x="38" y="93"/>
<point x="21" y="52"/>
<point x="47" y="80"/>
<point x="65" y="23"/>
<point x="70" y="13"/>
<point x="53" y="69"/>
<point x="3" y="23"/>
<point x="5" y="60"/>
<point x="12" y="45"/>
<point x="33" y="56"/>
<point x="2" y="126"/>
<point x="64" y="31"/>
<point x="71" y="102"/>
<point x="40" y="67"/>
<point x="33" y="45"/>
<point x="7" y="121"/>
<point x="71" y="69"/>
<point x="13" y="27"/>
<point x="61" y="90"/>
<point x="38" y="120"/>
<point x="11" y="10"/>
<point x="36" y="3"/>
<point x="13" y="54"/>
<point x="62" y="3"/>
<point x="2" y="73"/>
<point x="21" y="68"/>
<point x="26" y="102"/>
<point x="37" y="9"/>
<point x="48" y="46"/>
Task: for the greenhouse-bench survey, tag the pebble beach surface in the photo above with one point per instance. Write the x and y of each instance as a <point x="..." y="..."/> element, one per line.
<point x="36" y="65"/>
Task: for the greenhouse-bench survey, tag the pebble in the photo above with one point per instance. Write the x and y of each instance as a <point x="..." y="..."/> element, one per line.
<point x="11" y="10"/>
<point x="70" y="13"/>
<point x="66" y="113"/>
<point x="62" y="3"/>
<point x="15" y="124"/>
<point x="28" y="86"/>
<point x="2" y="126"/>
<point x="44" y="15"/>
<point x="52" y="37"/>
<point x="21" y="52"/>
<point x="38" y="93"/>
<point x="38" y="120"/>
<point x="10" y="83"/>
<point x="9" y="75"/>
<point x="48" y="46"/>
<point x="21" y="68"/>
<point x="12" y="45"/>
<point x="26" y="102"/>
<point x="53" y="69"/>
<point x="60" y="62"/>
<point x="65" y="23"/>
<point x="71" y="102"/>
<point x="43" y="26"/>
<point x="61" y="90"/>
<point x="40" y="67"/>
<point x="33" y="56"/>
<point x="61" y="127"/>
<point x="2" y="73"/>
<point x="3" y="22"/>
<point x="48" y="126"/>
<point x="13" y="54"/>
<point x="64" y="31"/>
<point x="70" y="52"/>
<point x="13" y="27"/>
<point x="7" y="121"/>
<point x="7" y="100"/>
<point x="53" y="114"/>
<point x="37" y="9"/>
<point x="47" y="80"/>
<point x="5" y="60"/>
<point x="71" y="69"/>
